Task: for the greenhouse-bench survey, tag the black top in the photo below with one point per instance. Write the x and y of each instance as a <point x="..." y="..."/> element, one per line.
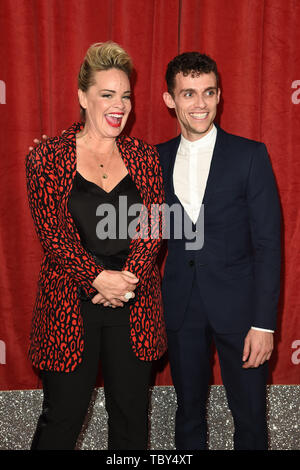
<point x="102" y="218"/>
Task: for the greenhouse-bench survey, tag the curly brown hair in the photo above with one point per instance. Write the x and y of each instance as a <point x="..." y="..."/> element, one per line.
<point x="189" y="62"/>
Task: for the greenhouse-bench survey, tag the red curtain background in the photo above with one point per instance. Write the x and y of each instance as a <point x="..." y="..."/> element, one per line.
<point x="256" y="46"/>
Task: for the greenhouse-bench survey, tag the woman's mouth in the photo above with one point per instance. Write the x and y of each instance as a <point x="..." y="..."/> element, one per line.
<point x="114" y="119"/>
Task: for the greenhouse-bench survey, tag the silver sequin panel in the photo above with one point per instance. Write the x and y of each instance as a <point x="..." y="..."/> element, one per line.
<point x="19" y="411"/>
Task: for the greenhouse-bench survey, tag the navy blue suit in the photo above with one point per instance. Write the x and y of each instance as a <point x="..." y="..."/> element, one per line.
<point x="219" y="291"/>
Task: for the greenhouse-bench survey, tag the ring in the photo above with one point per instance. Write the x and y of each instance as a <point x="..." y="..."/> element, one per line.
<point x="128" y="295"/>
<point x="109" y="305"/>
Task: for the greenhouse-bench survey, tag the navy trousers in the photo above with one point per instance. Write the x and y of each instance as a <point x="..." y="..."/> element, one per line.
<point x="190" y="359"/>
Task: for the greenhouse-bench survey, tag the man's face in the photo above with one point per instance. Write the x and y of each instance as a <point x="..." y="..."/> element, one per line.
<point x="195" y="100"/>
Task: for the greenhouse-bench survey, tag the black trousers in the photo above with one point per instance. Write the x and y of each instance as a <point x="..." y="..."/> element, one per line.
<point x="126" y="387"/>
<point x="190" y="360"/>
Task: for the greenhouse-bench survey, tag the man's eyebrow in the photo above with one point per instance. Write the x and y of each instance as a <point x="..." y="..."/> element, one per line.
<point x="185" y="90"/>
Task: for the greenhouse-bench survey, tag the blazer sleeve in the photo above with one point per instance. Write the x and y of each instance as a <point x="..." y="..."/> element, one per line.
<point x="265" y="221"/>
<point x="44" y="203"/>
<point x="145" y="248"/>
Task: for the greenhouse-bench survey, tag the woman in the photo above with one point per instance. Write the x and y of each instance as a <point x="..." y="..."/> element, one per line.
<point x="97" y="298"/>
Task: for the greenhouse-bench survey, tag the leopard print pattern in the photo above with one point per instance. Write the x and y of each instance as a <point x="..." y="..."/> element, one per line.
<point x="56" y="339"/>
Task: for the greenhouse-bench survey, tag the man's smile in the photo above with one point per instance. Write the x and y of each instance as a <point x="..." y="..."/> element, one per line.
<point x="199" y="116"/>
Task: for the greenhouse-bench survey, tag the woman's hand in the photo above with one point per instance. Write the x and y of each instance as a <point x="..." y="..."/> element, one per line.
<point x="112" y="287"/>
<point x="99" y="299"/>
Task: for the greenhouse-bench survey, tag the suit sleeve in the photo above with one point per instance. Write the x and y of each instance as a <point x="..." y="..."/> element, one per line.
<point x="265" y="220"/>
<point x="53" y="234"/>
<point x="144" y="249"/>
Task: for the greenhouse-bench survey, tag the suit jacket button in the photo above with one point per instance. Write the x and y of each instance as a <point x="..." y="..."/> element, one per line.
<point x="191" y="262"/>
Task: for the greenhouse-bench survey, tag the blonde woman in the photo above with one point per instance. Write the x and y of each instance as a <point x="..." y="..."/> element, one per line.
<point x="99" y="297"/>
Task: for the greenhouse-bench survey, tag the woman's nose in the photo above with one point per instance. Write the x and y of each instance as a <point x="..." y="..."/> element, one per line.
<point x="118" y="101"/>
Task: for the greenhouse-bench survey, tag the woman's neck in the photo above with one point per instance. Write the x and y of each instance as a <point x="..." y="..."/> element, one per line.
<point x="92" y="141"/>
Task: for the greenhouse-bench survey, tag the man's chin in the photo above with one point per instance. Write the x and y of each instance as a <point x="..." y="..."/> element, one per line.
<point x="196" y="133"/>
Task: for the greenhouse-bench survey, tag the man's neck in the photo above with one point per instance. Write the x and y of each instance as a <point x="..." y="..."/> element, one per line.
<point x="201" y="140"/>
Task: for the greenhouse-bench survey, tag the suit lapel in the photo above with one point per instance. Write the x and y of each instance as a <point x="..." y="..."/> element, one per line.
<point x="169" y="168"/>
<point x="217" y="165"/>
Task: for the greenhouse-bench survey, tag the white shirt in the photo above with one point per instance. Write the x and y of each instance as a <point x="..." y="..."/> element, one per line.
<point x="191" y="170"/>
<point x="190" y="174"/>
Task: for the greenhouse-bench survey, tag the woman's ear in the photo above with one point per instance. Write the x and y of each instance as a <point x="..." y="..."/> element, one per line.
<point x="82" y="98"/>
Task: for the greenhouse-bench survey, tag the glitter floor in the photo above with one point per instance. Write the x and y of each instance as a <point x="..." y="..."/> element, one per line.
<point x="19" y="411"/>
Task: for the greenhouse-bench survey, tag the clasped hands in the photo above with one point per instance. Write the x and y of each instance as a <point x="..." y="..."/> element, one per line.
<point x="112" y="287"/>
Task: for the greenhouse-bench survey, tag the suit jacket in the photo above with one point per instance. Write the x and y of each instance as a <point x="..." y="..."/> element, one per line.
<point x="238" y="267"/>
<point x="57" y="329"/>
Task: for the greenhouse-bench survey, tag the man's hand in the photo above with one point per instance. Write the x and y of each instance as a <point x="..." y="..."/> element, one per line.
<point x="258" y="348"/>
<point x="37" y="141"/>
<point x="44" y="138"/>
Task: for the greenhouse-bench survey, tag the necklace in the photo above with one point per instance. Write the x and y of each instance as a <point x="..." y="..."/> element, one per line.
<point x="105" y="174"/>
<point x="95" y="155"/>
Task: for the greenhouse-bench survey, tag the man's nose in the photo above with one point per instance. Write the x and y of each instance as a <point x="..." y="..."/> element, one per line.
<point x="200" y="101"/>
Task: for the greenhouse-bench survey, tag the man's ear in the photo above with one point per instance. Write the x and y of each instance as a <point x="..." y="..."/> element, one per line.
<point x="82" y="100"/>
<point x="168" y="99"/>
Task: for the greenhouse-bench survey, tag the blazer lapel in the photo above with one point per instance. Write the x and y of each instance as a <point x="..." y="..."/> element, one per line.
<point x="169" y="169"/>
<point x="66" y="174"/>
<point x="217" y="165"/>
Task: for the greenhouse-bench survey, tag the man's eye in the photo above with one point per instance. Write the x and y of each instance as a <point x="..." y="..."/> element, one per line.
<point x="188" y="94"/>
<point x="210" y="92"/>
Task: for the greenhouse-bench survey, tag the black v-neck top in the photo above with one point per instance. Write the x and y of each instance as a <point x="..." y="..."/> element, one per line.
<point x="102" y="218"/>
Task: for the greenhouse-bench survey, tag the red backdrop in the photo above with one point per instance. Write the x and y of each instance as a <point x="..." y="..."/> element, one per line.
<point x="256" y="46"/>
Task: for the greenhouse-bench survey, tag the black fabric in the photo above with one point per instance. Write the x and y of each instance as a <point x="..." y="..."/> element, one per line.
<point x="126" y="386"/>
<point x="85" y="198"/>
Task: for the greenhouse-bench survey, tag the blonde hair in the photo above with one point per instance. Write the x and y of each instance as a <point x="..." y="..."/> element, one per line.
<point x="102" y="56"/>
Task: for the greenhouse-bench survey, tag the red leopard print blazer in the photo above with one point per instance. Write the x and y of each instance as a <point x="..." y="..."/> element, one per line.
<point x="57" y="328"/>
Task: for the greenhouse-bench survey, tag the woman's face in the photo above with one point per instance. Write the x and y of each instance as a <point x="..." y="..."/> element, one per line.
<point x="107" y="102"/>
